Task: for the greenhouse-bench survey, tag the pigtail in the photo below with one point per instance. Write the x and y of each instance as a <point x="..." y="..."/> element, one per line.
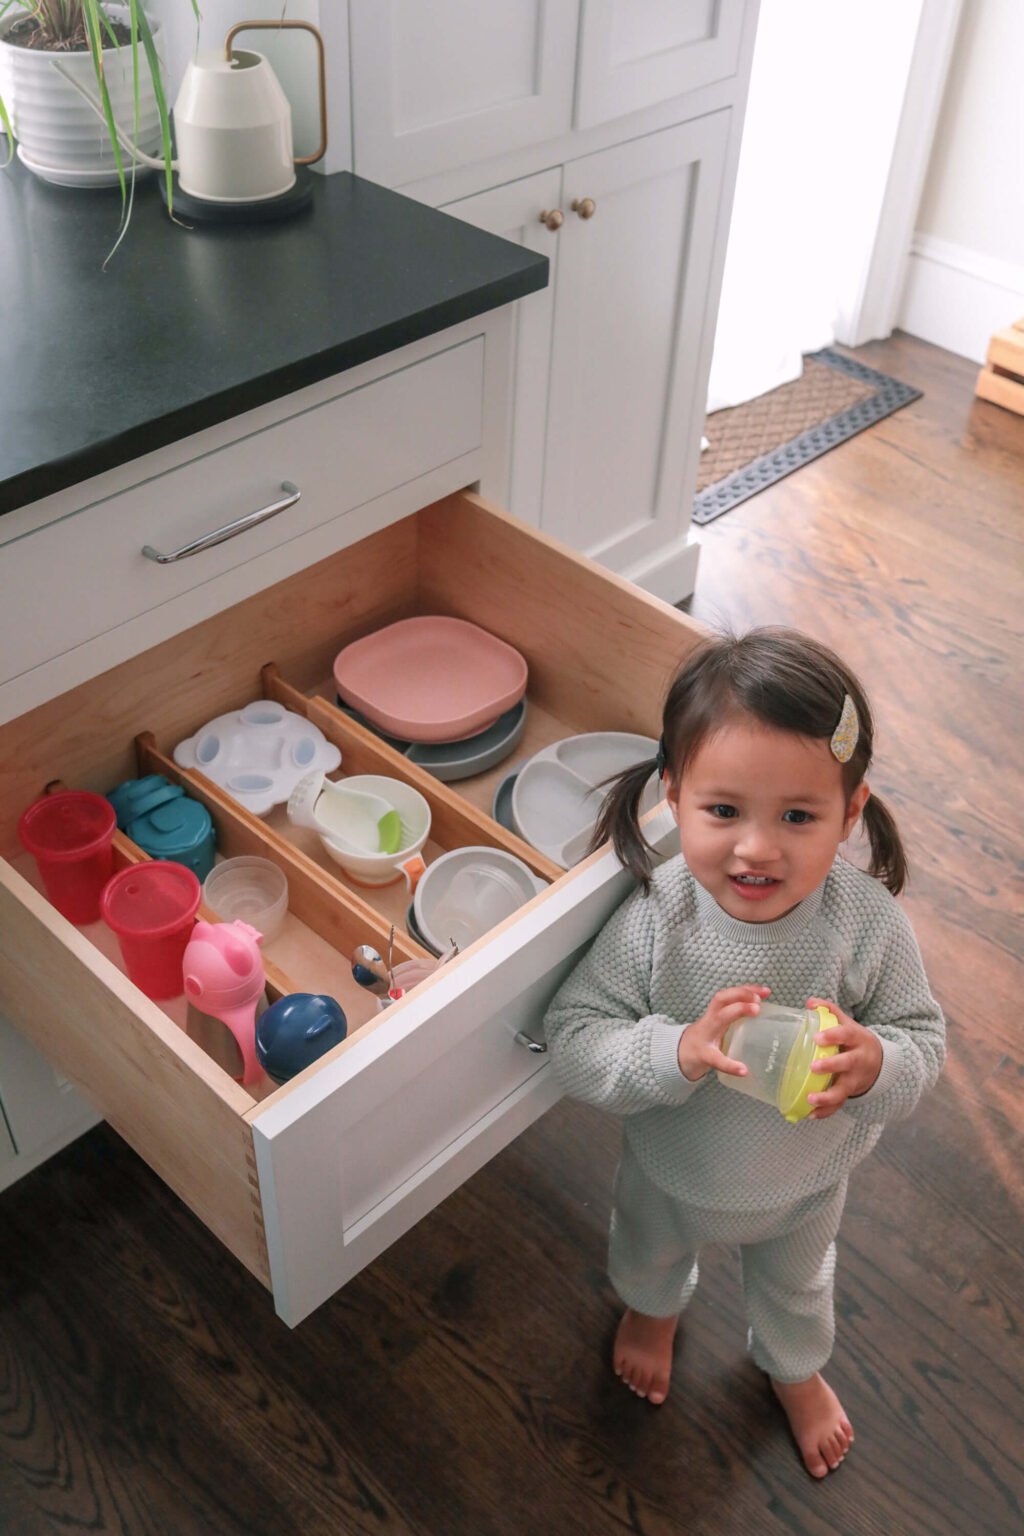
<point x="620" y="821"/>
<point x="888" y="858"/>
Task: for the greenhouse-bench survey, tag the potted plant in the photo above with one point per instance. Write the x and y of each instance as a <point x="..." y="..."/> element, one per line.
<point x="112" y="47"/>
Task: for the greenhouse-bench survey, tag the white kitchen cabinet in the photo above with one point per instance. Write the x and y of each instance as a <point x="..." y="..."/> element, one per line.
<point x="636" y="53"/>
<point x="445" y="84"/>
<point x="630" y="301"/>
<point x="603" y="361"/>
<point x="39" y="1110"/>
<point x="517" y="211"/>
<point x="638" y="106"/>
<point x="308" y="1182"/>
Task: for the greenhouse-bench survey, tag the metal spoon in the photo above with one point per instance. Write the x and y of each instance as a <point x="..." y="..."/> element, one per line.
<point x="369" y="970"/>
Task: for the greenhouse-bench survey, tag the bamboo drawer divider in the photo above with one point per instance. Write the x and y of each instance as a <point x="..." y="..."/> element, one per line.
<point x="455" y="822"/>
<point x="335" y="914"/>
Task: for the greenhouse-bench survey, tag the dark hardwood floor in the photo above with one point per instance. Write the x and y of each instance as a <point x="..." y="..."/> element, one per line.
<point x="460" y="1387"/>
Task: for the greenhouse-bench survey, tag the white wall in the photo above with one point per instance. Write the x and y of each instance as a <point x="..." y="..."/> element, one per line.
<point x="965" y="276"/>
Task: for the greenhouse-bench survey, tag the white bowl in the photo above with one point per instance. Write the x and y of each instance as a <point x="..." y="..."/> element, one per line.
<point x="383" y="868"/>
<point x="467" y="892"/>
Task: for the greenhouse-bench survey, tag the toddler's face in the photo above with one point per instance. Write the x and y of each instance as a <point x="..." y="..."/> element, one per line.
<point x="761" y="813"/>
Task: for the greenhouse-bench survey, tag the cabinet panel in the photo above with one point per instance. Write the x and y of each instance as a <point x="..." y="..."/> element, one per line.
<point x="514" y="212"/>
<point x="338" y="456"/>
<point x="39" y="1110"/>
<point x="630" y="306"/>
<point x="442" y="85"/>
<point x="636" y="53"/>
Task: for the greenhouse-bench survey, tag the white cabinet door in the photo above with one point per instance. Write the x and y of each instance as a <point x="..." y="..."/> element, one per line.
<point x="635" y="53"/>
<point x="40" y="1111"/>
<point x="438" y="86"/>
<point x="515" y="211"/>
<point x="626" y="401"/>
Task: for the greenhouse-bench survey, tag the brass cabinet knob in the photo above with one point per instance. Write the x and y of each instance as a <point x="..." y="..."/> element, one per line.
<point x="584" y="206"/>
<point x="552" y="218"/>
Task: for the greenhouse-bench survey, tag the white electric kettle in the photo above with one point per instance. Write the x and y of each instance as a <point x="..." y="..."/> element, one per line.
<point x="233" y="124"/>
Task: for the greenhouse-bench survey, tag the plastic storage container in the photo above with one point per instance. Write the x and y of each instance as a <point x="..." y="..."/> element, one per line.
<point x="777" y="1047"/>
<point x="70" y="836"/>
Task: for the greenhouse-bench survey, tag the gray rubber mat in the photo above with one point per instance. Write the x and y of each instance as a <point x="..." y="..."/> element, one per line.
<point x="887" y="395"/>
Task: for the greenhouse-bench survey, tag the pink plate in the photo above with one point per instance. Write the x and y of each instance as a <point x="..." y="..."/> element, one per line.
<point x="430" y="679"/>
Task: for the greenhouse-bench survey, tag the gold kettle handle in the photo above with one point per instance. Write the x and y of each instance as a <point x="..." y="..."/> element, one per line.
<point x="305" y="26"/>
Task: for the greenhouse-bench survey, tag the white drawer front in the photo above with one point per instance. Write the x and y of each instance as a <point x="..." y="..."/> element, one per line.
<point x="339" y="455"/>
<point x="406" y="1116"/>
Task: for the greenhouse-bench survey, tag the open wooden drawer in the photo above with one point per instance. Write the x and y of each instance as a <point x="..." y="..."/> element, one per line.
<point x="310" y="1181"/>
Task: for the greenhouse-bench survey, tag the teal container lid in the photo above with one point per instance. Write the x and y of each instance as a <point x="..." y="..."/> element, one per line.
<point x="137" y="797"/>
<point x="172" y="829"/>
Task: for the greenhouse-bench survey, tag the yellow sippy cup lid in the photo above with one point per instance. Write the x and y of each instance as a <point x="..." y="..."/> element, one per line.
<point x="798" y="1080"/>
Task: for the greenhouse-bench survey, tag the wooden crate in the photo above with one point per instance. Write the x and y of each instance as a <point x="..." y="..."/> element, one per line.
<point x="1002" y="379"/>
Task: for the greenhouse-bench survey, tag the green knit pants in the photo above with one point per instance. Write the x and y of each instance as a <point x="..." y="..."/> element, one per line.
<point x="787" y="1255"/>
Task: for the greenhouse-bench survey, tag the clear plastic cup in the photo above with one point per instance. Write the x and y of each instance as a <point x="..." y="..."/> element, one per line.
<point x="70" y="836"/>
<point x="152" y="907"/>
<point x="249" y="888"/>
<point x="777" y="1047"/>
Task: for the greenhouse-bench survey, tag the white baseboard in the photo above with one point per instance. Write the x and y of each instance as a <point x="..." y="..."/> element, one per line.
<point x="956" y="297"/>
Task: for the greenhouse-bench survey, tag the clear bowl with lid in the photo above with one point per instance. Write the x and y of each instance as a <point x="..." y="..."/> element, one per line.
<point x="777" y="1047"/>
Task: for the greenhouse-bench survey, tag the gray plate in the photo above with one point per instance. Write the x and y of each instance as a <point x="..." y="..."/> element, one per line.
<point x="501" y="806"/>
<point x="453" y="760"/>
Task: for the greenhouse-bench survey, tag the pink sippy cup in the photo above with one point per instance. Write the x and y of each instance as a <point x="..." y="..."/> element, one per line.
<point x="224" y="978"/>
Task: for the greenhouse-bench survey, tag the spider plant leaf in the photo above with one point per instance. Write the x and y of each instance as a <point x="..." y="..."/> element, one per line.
<point x="94" y="36"/>
<point x="148" y="43"/>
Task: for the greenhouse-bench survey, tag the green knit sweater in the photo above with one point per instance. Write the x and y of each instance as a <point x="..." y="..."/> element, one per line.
<point x="613" y="1032"/>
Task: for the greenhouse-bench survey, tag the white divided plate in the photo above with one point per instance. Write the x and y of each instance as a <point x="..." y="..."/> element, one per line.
<point x="258" y="754"/>
<point x="556" y="797"/>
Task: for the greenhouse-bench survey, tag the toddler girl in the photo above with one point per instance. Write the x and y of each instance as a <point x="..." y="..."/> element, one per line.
<point x="766" y="742"/>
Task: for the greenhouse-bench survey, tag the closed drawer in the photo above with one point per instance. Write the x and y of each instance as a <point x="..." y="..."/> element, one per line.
<point x="337" y="455"/>
<point x="306" y="1183"/>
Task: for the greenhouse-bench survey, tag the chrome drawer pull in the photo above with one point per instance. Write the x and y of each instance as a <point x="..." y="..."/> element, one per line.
<point x="221" y="535"/>
<point x="531" y="1045"/>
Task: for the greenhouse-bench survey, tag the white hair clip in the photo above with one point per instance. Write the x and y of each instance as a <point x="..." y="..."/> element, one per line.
<point x="847" y="732"/>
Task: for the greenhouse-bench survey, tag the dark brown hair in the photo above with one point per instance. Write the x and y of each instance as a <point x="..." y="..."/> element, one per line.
<point x="781" y="678"/>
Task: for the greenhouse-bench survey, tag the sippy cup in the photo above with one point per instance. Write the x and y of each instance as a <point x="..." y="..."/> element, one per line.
<point x="224" y="978"/>
<point x="777" y="1047"/>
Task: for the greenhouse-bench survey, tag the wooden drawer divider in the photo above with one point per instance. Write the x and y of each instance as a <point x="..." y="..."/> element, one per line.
<point x="455" y="822"/>
<point x="336" y="915"/>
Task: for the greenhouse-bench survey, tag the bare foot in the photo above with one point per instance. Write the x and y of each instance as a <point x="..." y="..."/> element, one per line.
<point x="820" y="1427"/>
<point x="643" y="1353"/>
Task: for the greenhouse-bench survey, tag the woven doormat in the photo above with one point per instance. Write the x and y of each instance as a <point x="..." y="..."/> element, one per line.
<point x="754" y="445"/>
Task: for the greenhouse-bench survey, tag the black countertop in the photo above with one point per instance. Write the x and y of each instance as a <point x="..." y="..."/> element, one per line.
<point x="186" y="328"/>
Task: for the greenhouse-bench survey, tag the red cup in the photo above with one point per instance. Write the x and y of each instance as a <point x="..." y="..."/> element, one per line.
<point x="152" y="907"/>
<point x="70" y="836"/>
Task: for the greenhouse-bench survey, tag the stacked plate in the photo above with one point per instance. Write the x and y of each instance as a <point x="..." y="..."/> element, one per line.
<point x="445" y="692"/>
<point x="553" y="799"/>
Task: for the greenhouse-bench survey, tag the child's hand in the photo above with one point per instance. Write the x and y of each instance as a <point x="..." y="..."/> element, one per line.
<point x="856" y="1067"/>
<point x="700" y="1044"/>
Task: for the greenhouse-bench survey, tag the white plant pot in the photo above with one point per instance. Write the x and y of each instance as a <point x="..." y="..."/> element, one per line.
<point x="59" y="137"/>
